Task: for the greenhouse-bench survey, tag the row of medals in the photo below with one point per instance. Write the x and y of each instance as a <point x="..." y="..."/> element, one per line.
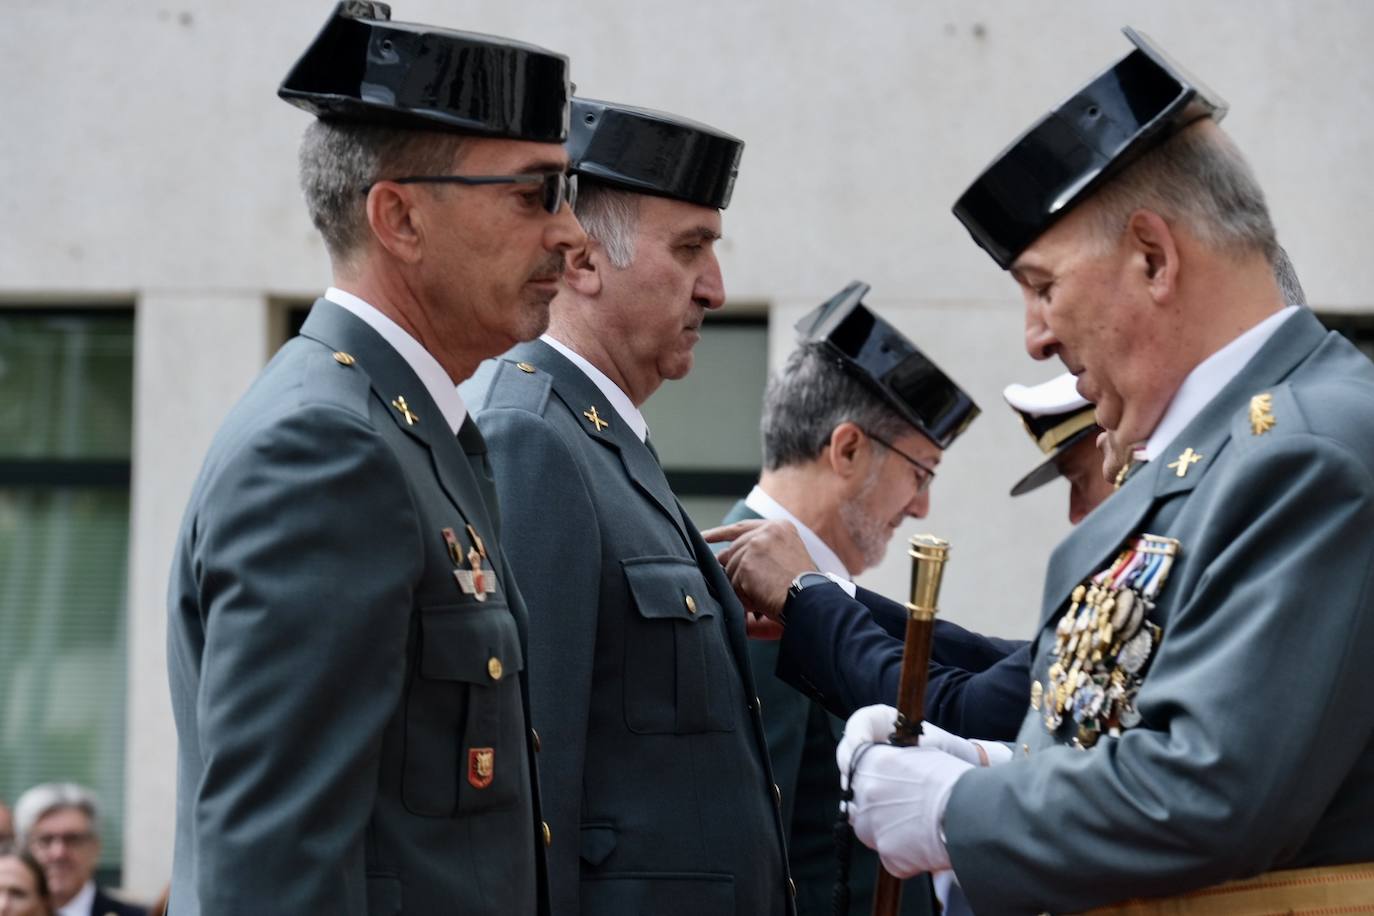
<point x="1104" y="643"/>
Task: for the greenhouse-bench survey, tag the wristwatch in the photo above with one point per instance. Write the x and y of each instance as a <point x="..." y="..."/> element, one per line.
<point x="806" y="580"/>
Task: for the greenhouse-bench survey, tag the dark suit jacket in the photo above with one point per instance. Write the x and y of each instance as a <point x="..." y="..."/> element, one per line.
<point x="335" y="692"/>
<point x="655" y="768"/>
<point x="801" y="742"/>
<point x="847" y="653"/>
<point x="104" y="905"/>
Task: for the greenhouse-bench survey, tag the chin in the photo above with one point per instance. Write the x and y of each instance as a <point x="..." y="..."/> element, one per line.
<point x="679" y="368"/>
<point x="533" y="320"/>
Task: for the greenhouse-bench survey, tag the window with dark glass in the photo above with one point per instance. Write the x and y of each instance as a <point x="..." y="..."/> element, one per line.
<point x="66" y="411"/>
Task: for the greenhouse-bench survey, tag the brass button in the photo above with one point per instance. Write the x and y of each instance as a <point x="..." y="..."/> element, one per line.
<point x="548" y="834"/>
<point x="344" y="359"/>
<point x="791" y="887"/>
<point x="777" y="795"/>
<point x="1026" y="748"/>
<point x="691" y="605"/>
<point x="538" y="746"/>
<point x="494" y="668"/>
<point x="524" y="367"/>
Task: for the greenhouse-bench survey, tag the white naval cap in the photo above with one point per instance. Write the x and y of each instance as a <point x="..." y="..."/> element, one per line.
<point x="1058" y="395"/>
<point x="1057" y="417"/>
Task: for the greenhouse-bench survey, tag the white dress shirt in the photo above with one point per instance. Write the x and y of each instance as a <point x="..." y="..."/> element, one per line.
<point x="1206" y="381"/>
<point x="826" y="559"/>
<point x="619" y="399"/>
<point x="81" y="904"/>
<point x="420" y="360"/>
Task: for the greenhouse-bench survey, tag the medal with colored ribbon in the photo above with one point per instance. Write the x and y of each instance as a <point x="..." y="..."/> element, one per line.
<point x="1104" y="642"/>
<point x="472" y="570"/>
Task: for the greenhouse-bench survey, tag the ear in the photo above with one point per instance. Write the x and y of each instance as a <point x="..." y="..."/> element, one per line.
<point x="1157" y="253"/>
<point x="846" y="451"/>
<point x="585" y="267"/>
<point x="396" y="222"/>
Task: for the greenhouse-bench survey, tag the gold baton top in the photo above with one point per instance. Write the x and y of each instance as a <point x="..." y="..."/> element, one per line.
<point x="929" y="554"/>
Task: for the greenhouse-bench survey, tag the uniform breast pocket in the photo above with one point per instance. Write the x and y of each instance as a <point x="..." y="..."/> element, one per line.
<point x="464" y="722"/>
<point x="679" y="676"/>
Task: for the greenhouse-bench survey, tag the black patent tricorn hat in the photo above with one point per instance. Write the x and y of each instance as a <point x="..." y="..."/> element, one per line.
<point x="364" y="67"/>
<point x="880" y="356"/>
<point x="652" y="152"/>
<point x="1133" y="106"/>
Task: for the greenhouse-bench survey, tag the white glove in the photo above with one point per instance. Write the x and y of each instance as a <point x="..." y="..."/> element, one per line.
<point x="900" y="793"/>
<point x="899" y="802"/>
<point x="873" y="724"/>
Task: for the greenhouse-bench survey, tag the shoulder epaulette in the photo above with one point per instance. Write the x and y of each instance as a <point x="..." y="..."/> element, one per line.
<point x="518" y="385"/>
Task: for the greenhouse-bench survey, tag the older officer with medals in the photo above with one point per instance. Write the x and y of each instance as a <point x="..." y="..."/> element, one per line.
<point x="655" y="766"/>
<point x="1199" y="738"/>
<point x="346" y="642"/>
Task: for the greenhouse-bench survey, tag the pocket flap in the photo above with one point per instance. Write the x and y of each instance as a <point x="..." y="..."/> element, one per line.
<point x="669" y="588"/>
<point x="462" y="642"/>
<point x="598" y="842"/>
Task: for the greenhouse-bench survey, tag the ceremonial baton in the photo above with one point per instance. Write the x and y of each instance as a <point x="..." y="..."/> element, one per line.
<point x="928" y="555"/>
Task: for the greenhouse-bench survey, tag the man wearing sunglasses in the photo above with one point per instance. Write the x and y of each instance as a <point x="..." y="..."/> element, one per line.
<point x="654" y="763"/>
<point x="346" y="641"/>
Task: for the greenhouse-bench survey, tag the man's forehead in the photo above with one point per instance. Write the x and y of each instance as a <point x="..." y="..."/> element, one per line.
<point x="495" y="156"/>
<point x="1067" y="237"/>
<point x="919" y="445"/>
<point x="65" y="813"/>
<point x="670" y="217"/>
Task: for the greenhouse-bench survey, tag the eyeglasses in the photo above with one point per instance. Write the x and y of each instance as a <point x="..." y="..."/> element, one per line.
<point x="69" y="840"/>
<point x="555" y="187"/>
<point x="925" y="474"/>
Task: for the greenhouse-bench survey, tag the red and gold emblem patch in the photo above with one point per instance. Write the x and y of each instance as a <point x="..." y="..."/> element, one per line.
<point x="481" y="766"/>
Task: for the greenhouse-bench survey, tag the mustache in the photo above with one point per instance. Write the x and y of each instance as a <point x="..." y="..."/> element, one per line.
<point x="551" y="268"/>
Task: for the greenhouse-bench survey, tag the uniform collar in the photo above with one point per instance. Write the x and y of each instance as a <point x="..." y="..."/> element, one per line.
<point x="1207" y="379"/>
<point x="432" y="375"/>
<point x="826" y="560"/>
<point x="620" y="401"/>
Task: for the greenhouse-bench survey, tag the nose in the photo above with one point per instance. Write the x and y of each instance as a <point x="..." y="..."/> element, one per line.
<point x="1040" y="340"/>
<point x="563" y="232"/>
<point x="919" y="507"/>
<point x="709" y="290"/>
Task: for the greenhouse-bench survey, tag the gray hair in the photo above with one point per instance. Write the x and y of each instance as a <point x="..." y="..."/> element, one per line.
<point x="339" y="159"/>
<point x="1199" y="179"/>
<point x="1287" y="278"/>
<point x="811" y="396"/>
<point x="610" y="216"/>
<point x="42" y="800"/>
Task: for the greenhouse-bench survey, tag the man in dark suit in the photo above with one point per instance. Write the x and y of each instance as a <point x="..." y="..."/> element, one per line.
<point x="346" y="643"/>
<point x="655" y="766"/>
<point x="58" y="823"/>
<point x="847" y="458"/>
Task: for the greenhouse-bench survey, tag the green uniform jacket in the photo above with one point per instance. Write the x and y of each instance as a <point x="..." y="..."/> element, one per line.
<point x="338" y="698"/>
<point x="654" y="766"/>
<point x="1256" y="749"/>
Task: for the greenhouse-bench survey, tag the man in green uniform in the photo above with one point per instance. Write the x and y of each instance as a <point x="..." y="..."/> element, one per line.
<point x="346" y="644"/>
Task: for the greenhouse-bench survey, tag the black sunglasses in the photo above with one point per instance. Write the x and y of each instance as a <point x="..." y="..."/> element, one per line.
<point x="556" y="187"/>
